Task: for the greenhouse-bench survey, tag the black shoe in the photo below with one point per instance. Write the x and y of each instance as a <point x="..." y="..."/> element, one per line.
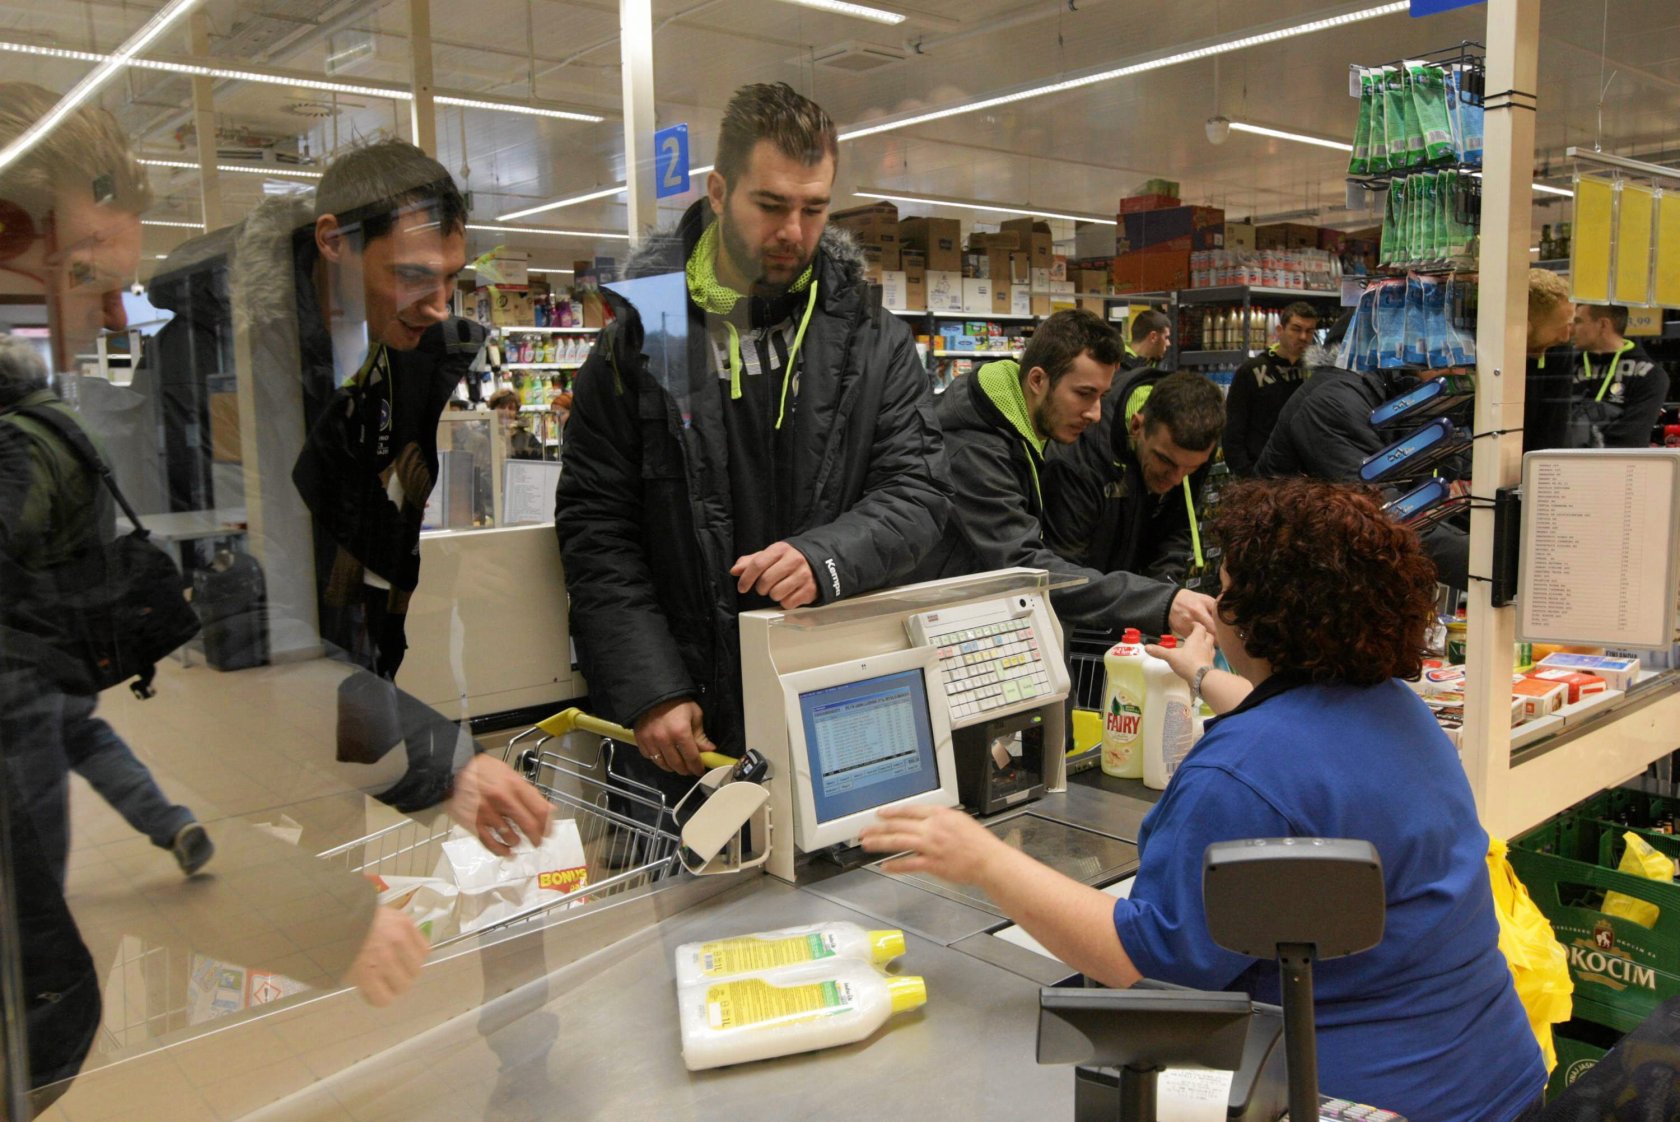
<point x="192" y="848"/>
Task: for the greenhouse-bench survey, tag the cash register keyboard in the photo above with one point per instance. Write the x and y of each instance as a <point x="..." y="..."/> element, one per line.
<point x="991" y="657"/>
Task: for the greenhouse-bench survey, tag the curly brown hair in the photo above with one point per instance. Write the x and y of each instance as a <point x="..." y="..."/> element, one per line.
<point x="1322" y="582"/>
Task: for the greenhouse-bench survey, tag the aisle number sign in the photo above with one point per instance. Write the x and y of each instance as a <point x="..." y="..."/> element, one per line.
<point x="670" y="162"/>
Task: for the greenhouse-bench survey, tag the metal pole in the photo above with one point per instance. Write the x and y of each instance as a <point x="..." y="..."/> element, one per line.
<point x="1300" y="1046"/>
<point x="204" y="125"/>
<point x="1638" y="167"/>
<point x="635" y="25"/>
<point x="1513" y="36"/>
<point x="422" y="114"/>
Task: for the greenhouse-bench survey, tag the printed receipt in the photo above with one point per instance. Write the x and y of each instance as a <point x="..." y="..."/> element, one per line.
<point x="1192" y="1095"/>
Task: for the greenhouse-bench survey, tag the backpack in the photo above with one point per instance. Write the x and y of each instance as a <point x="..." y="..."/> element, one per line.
<point x="121" y="601"/>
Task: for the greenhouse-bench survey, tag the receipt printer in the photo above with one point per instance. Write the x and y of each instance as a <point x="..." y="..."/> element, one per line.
<point x="1000" y="763"/>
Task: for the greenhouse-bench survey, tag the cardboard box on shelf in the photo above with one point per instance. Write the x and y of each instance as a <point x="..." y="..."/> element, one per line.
<point x="505" y="306"/>
<point x="1062" y="288"/>
<point x="1089" y="281"/>
<point x="1239" y="235"/>
<point x="1002" y="297"/>
<point x="1040" y="281"/>
<point x="977" y="296"/>
<point x="1003" y="239"/>
<point x="915" y="288"/>
<point x="594" y="309"/>
<point x="1059" y="266"/>
<point x="1286" y="235"/>
<point x="502" y="266"/>
<point x="1157" y="186"/>
<point x="876" y="224"/>
<point x="1020" y="300"/>
<point x="1020" y="267"/>
<point x="1136" y="204"/>
<point x="1150" y="229"/>
<point x="939" y="239"/>
<point x="1093" y="239"/>
<point x="1151" y="271"/>
<point x="1040" y="304"/>
<point x="1035" y="238"/>
<point x="871" y="263"/>
<point x="944" y="291"/>
<point x="892" y="290"/>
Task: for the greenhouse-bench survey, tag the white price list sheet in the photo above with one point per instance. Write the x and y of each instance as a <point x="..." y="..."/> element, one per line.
<point x="1600" y="536"/>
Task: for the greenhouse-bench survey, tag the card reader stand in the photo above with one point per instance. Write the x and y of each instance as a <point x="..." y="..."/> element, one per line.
<point x="1000" y="763"/>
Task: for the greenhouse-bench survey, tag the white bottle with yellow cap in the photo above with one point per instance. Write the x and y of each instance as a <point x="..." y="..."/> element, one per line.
<point x="795" y="1009"/>
<point x="721" y="959"/>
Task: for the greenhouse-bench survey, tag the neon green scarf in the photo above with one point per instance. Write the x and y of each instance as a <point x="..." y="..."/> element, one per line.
<point x="1001" y="383"/>
<point x="718" y="299"/>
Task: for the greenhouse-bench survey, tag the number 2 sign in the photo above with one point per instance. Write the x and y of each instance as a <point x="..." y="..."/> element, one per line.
<point x="670" y="161"/>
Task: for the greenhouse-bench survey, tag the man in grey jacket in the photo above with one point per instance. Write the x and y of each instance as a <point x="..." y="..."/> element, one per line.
<point x="997" y="425"/>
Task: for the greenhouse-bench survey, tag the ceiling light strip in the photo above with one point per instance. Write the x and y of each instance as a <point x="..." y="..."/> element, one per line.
<point x="244" y="169"/>
<point x="549" y="230"/>
<point x="965" y="204"/>
<point x="1298" y="137"/>
<point x="95" y="80"/>
<point x="574" y="200"/>
<point x="1209" y="51"/>
<point x="172" y="224"/>
<point x="350" y="89"/>
<point x="856" y="11"/>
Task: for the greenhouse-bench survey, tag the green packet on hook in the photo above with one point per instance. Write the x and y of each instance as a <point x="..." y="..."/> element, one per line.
<point x="1360" y="163"/>
<point x="1429" y="107"/>
<point x="1401" y="120"/>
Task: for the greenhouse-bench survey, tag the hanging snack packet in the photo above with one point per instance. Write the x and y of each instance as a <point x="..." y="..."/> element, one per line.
<point x="1461" y="344"/>
<point x="1429" y="102"/>
<point x="1437" y="351"/>
<point x="1378" y="142"/>
<point x="1402" y="122"/>
<point x="1391" y="325"/>
<point x="1360" y="162"/>
<point x="1435" y="240"/>
<point x="1362" y="353"/>
<point x="1413" y="348"/>
<point x="1469" y="118"/>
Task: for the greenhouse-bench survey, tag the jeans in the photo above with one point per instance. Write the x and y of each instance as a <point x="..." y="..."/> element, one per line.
<point x="105" y="760"/>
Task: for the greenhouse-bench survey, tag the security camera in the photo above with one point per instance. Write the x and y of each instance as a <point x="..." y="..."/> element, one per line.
<point x="137" y="288"/>
<point x="1218" y="128"/>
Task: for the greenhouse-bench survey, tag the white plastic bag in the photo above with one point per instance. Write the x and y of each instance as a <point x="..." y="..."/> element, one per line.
<point x="493" y="888"/>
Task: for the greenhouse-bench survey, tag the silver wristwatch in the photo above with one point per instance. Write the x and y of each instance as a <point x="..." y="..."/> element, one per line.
<point x="1196" y="682"/>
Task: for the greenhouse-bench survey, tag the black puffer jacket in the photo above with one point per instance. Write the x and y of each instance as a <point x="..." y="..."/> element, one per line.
<point x="642" y="510"/>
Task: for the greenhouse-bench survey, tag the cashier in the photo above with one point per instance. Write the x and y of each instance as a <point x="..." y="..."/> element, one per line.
<point x="1324" y="606"/>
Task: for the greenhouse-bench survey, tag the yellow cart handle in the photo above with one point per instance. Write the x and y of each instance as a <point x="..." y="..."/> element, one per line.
<point x="574" y="718"/>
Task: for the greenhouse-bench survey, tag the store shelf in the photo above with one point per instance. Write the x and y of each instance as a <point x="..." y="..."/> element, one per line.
<point x="545" y="330"/>
<point x="976" y="354"/>
<point x="1236" y="293"/>
<point x="998" y="316"/>
<point x="542" y="365"/>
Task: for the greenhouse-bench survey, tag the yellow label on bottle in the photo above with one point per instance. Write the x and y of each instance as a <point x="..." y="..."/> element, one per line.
<point x="749" y="955"/>
<point x="755" y="1003"/>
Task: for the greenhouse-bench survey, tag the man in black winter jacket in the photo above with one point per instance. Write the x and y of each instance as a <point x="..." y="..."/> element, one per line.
<point x="1121" y="497"/>
<point x="787" y="455"/>
<point x="1618" y="391"/>
<point x="998" y="423"/>
<point x="1263" y="385"/>
<point x="1325" y="432"/>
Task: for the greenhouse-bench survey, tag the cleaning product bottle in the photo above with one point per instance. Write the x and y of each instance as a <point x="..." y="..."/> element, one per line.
<point x="721" y="959"/>
<point x="1168" y="717"/>
<point x="799" y="1009"/>
<point x="1123" y="696"/>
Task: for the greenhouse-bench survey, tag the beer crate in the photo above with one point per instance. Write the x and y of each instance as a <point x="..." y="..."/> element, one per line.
<point x="1580" y="1045"/>
<point x="1621" y="969"/>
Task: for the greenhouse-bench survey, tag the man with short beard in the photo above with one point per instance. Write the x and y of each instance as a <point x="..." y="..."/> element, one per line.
<point x="790" y="458"/>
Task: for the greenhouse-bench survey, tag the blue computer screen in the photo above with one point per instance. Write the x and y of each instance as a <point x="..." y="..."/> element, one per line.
<point x="869" y="743"/>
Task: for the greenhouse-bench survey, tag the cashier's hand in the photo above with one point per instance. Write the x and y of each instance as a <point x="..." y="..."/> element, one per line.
<point x="672" y="735"/>
<point x="778" y="572"/>
<point x="940" y="840"/>
<point x="1192" y="653"/>
<point x="390" y="958"/>
<point x="490" y="799"/>
<point x="1189" y="609"/>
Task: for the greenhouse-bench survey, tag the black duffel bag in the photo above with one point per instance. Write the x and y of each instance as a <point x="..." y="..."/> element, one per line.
<point x="120" y="604"/>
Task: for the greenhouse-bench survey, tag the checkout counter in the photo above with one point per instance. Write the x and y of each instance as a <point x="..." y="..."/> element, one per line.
<point x="573" y="1014"/>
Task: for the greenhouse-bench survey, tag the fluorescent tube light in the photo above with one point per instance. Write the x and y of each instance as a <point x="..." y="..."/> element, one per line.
<point x="298" y="81"/>
<point x="95" y="80"/>
<point x="574" y="200"/>
<point x="1211" y="50"/>
<point x="171" y="224"/>
<point x="549" y="230"/>
<point x="1547" y="190"/>
<point x="967" y="204"/>
<point x="857" y="11"/>
<point x="246" y="169"/>
<point x="1280" y="134"/>
<point x="549" y="272"/>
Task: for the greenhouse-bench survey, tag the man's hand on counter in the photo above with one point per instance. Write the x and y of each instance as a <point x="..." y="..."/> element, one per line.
<point x="490" y="798"/>
<point x="940" y="840"/>
<point x="390" y="958"/>
<point x="778" y="572"/>
<point x="1189" y="609"/>
<point x="672" y="735"/>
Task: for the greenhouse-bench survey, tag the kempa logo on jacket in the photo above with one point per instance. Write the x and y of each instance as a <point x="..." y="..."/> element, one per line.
<point x="833" y="576"/>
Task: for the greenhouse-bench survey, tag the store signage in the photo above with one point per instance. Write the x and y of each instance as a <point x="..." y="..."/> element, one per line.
<point x="1431" y="7"/>
<point x="670" y="162"/>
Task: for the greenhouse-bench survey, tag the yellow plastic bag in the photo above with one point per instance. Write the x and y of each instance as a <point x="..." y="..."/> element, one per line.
<point x="1539" y="964"/>
<point x="1640" y="860"/>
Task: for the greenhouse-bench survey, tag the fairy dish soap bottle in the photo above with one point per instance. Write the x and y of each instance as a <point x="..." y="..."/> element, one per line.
<point x="1122" y="743"/>
<point x="1168" y="719"/>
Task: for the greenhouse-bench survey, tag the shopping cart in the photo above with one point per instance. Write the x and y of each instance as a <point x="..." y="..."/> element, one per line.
<point x="630" y="833"/>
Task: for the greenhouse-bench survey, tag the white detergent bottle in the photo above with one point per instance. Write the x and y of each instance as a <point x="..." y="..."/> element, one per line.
<point x="1168" y="719"/>
<point x="797" y="1009"/>
<point x="721" y="959"/>
<point x="1123" y="697"/>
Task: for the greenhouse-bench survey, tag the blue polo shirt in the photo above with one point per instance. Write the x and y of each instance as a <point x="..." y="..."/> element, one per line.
<point x="1426" y="1023"/>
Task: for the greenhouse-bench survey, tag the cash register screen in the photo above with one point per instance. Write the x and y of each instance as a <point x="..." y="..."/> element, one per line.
<point x="869" y="742"/>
